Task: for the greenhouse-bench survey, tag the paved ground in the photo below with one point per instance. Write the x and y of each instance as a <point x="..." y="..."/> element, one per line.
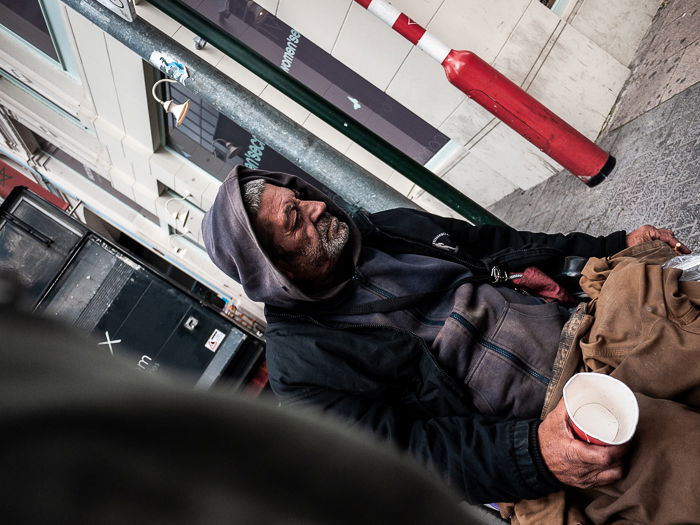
<point x="654" y="133"/>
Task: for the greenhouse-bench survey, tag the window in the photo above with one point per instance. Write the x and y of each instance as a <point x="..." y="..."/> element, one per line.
<point x="97" y="179"/>
<point x="320" y="72"/>
<point x="215" y="143"/>
<point x="26" y="19"/>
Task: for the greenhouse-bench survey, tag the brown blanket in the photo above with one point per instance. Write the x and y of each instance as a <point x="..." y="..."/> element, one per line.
<point x="642" y="326"/>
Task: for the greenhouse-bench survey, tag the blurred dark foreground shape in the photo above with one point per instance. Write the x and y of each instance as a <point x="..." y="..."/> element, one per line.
<point x="87" y="438"/>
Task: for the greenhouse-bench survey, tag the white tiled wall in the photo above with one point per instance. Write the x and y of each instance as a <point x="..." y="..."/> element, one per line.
<point x="601" y="21"/>
<point x="157" y="18"/>
<point x="209" y="53"/>
<point x="523" y="48"/>
<point x="468" y="119"/>
<point x="318" y="20"/>
<point x="513" y="158"/>
<point x="269" y="5"/>
<point x="477" y="26"/>
<point x="370" y="48"/>
<point x="471" y="174"/>
<point x="420" y="85"/>
<point x="579" y="81"/>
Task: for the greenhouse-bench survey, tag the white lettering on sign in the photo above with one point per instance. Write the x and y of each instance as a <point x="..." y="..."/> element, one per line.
<point x="290" y="50"/>
<point x="215" y="340"/>
<point x="254" y="153"/>
<point x="144" y="362"/>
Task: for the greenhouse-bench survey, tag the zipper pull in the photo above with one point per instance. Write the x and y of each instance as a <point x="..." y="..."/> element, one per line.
<point x="498" y="275"/>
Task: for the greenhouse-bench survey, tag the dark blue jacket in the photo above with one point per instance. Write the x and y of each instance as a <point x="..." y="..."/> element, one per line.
<point x="388" y="381"/>
<point x="381" y="378"/>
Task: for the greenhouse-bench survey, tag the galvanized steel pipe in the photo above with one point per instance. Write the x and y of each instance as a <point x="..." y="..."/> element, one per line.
<point x="193" y="20"/>
<point x="353" y="183"/>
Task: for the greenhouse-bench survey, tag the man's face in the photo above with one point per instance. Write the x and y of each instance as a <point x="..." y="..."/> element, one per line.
<point x="310" y="238"/>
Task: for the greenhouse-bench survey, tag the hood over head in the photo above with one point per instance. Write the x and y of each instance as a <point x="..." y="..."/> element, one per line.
<point x="232" y="245"/>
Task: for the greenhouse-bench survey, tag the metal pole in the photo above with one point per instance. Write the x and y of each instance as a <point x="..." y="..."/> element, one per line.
<point x="271" y="73"/>
<point x="354" y="184"/>
<point x="504" y="99"/>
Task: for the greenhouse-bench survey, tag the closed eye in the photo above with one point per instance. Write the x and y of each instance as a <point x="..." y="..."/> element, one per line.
<point x="292" y="217"/>
<point x="295" y="217"/>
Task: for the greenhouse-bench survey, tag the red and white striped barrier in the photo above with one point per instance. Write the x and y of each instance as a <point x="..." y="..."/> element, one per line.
<point x="504" y="99"/>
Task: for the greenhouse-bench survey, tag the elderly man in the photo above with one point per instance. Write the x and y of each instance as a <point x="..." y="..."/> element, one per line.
<point x="395" y="322"/>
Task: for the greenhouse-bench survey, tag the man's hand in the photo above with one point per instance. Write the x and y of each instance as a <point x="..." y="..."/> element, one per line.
<point x="650" y="233"/>
<point x="574" y="462"/>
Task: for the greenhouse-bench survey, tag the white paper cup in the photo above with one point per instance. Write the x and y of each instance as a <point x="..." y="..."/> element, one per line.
<point x="601" y="409"/>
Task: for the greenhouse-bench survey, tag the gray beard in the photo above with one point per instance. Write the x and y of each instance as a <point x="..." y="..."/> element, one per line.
<point x="333" y="246"/>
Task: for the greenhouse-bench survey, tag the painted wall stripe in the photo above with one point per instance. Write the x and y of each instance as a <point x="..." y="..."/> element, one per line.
<point x="384" y="11"/>
<point x="434" y="47"/>
<point x="408" y="28"/>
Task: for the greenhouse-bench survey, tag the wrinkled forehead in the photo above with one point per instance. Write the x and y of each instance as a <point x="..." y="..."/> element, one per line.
<point x="273" y="201"/>
<point x="302" y="190"/>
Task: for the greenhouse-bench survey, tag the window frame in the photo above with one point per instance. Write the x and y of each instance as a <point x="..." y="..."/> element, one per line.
<point x="59" y="81"/>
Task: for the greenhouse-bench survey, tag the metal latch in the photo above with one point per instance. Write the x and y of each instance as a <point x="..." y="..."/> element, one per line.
<point x="191" y="323"/>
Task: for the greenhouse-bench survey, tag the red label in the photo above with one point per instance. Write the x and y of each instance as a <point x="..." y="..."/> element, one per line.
<point x="364" y="3"/>
<point x="10" y="177"/>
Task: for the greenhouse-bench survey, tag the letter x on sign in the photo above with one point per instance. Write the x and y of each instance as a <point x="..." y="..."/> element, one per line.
<point x="109" y="342"/>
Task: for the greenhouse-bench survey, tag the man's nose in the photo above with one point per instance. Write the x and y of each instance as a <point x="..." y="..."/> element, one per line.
<point x="313" y="209"/>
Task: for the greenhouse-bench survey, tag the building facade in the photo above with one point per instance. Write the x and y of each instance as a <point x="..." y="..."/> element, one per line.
<point x="77" y="115"/>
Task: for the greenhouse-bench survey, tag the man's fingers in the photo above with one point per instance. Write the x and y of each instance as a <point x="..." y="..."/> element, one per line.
<point x="608" y="476"/>
<point x="670" y="239"/>
<point x="649" y="233"/>
<point x="598" y="454"/>
<point x="665" y="236"/>
<point x="575" y="462"/>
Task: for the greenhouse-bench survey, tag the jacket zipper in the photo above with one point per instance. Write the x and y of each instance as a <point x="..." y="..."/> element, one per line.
<point x="500" y="351"/>
<point x="363" y="281"/>
<point x="359" y="278"/>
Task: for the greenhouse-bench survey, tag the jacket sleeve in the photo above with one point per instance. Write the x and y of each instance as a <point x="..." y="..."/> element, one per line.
<point x="486" y="459"/>
<point x="483" y="241"/>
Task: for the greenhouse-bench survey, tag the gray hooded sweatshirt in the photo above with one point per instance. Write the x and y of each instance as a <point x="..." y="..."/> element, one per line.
<point x="498" y="343"/>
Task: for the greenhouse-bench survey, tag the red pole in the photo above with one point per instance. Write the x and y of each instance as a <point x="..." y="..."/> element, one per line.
<point x="504" y="99"/>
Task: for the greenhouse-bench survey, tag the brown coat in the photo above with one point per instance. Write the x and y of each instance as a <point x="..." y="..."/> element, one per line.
<point x="642" y="326"/>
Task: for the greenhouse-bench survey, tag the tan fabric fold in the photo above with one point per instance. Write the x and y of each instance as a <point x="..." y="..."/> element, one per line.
<point x="642" y="326"/>
<point x="647" y="328"/>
